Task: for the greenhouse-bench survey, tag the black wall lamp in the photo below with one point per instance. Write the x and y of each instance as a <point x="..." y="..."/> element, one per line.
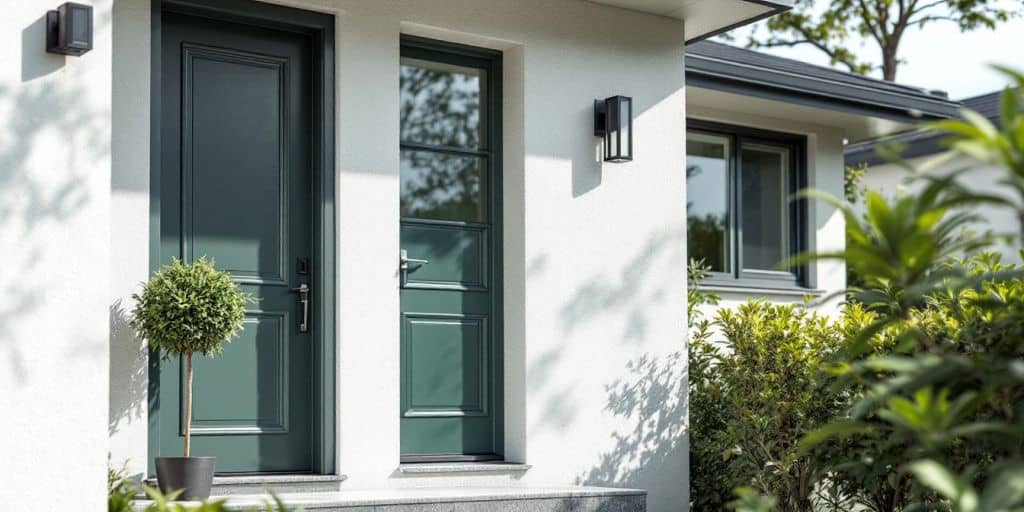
<point x="69" y="29"/>
<point x="613" y="120"/>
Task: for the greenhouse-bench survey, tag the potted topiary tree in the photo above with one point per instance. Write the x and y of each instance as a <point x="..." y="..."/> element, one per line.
<point x="187" y="309"/>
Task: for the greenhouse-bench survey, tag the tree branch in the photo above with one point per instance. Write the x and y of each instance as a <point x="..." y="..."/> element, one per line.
<point x="925" y="19"/>
<point x="867" y="22"/>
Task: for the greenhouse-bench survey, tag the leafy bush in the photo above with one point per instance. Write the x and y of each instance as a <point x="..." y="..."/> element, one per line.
<point x="189" y="308"/>
<point x="120" y="490"/>
<point x="757" y="385"/>
<point x="186" y="309"/>
<point x="946" y="389"/>
<point x="712" y="476"/>
<point x="161" y="503"/>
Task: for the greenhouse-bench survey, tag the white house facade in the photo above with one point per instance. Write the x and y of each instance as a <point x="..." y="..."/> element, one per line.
<point x="464" y="297"/>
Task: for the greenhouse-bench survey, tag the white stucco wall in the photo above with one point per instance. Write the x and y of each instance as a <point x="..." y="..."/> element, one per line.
<point x="55" y="204"/>
<point x="891" y="179"/>
<point x="594" y="253"/>
<point x="826" y="226"/>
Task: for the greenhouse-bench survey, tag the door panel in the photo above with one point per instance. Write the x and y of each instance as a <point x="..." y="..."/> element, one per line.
<point x="451" y="392"/>
<point x="457" y="255"/>
<point x="235" y="186"/>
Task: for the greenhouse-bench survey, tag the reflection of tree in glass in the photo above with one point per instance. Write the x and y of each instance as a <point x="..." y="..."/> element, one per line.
<point x="705" y="235"/>
<point x="440" y="106"/>
<point x="441" y="186"/>
<point x="706" y="239"/>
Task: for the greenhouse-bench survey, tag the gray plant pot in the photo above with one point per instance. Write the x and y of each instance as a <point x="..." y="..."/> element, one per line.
<point x="192" y="475"/>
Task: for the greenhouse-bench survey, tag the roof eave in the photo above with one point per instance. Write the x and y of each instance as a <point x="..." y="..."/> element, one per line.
<point x="775" y="8"/>
<point x="717" y="74"/>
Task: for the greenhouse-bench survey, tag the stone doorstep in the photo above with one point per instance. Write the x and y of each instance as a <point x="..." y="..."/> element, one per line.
<point x="468" y="499"/>
<point x="279" y="484"/>
<point x="509" y="468"/>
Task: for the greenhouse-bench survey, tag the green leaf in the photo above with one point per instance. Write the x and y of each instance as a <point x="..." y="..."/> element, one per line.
<point x="939" y="479"/>
<point x="1005" y="489"/>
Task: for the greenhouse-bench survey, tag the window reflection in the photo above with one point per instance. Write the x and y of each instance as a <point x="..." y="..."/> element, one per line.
<point x="707" y="186"/>
<point x="442" y="186"/>
<point x="441" y="104"/>
<point x="765" y="200"/>
<point x="442" y="132"/>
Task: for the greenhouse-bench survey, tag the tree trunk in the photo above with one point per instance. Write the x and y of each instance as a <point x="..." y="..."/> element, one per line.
<point x="188" y="404"/>
<point x="889" y="63"/>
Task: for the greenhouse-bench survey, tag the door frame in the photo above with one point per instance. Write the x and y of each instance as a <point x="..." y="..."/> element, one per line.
<point x="490" y="60"/>
<point x="320" y="28"/>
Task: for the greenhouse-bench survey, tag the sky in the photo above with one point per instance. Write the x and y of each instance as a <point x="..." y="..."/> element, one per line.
<point x="940" y="57"/>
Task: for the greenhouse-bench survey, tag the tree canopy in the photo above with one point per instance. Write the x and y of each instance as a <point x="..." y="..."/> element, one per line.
<point x="835" y="27"/>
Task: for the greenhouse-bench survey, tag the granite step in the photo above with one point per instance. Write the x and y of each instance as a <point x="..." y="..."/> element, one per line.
<point x="464" y="499"/>
<point x="231" y="485"/>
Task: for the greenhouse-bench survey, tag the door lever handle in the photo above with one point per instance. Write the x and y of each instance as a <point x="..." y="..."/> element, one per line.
<point x="303" y="290"/>
<point x="404" y="260"/>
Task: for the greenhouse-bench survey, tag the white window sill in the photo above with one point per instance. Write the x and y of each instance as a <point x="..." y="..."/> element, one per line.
<point x="762" y="290"/>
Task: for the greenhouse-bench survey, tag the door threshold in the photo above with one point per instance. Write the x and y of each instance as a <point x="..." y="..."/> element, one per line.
<point x="449" y="458"/>
<point x="279" y="483"/>
<point x="463" y="467"/>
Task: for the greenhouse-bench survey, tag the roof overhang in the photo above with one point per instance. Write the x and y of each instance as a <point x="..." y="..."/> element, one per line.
<point x="706" y="18"/>
<point x="901" y="106"/>
<point x="709" y="104"/>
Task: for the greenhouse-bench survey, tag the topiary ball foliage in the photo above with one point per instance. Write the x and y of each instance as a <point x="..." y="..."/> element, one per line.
<point x="189" y="308"/>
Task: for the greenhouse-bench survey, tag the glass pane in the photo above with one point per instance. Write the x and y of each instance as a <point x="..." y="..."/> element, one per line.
<point x="441" y="104"/>
<point x="707" y="200"/>
<point x="765" y="199"/>
<point x="442" y="187"/>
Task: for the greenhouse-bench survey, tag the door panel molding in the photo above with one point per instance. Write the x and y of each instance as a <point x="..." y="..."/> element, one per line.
<point x="480" y="233"/>
<point x="244" y="426"/>
<point x="192" y="52"/>
<point x="483" y="374"/>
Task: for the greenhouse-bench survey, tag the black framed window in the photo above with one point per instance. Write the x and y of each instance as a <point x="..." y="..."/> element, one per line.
<point x="742" y="219"/>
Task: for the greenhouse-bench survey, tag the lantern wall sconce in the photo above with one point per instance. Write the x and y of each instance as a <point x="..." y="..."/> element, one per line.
<point x="69" y="29"/>
<point x="613" y="120"/>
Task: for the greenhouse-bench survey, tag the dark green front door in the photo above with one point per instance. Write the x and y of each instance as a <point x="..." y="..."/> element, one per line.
<point x="235" y="185"/>
<point x="450" y="241"/>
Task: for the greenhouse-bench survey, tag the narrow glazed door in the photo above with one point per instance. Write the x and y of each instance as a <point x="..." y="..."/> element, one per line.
<point x="235" y="185"/>
<point x="450" y="371"/>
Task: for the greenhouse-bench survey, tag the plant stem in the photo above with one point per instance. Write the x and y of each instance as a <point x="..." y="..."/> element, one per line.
<point x="188" y="404"/>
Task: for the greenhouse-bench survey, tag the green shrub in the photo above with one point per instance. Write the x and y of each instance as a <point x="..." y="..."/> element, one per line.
<point x="758" y="382"/>
<point x="120" y="490"/>
<point x="938" y="373"/>
<point x="712" y="476"/>
<point x="165" y="503"/>
<point x="187" y="309"/>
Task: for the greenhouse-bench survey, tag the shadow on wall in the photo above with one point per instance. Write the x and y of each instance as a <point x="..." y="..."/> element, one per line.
<point x="127" y="399"/>
<point x="635" y="291"/>
<point x="39" y="63"/>
<point x="649" y="397"/>
<point x="631" y="289"/>
<point x="47" y="129"/>
<point x="653" y="398"/>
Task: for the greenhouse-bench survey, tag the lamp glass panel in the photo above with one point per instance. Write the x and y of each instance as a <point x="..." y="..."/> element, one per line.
<point x="624" y="127"/>
<point x="79" y="24"/>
